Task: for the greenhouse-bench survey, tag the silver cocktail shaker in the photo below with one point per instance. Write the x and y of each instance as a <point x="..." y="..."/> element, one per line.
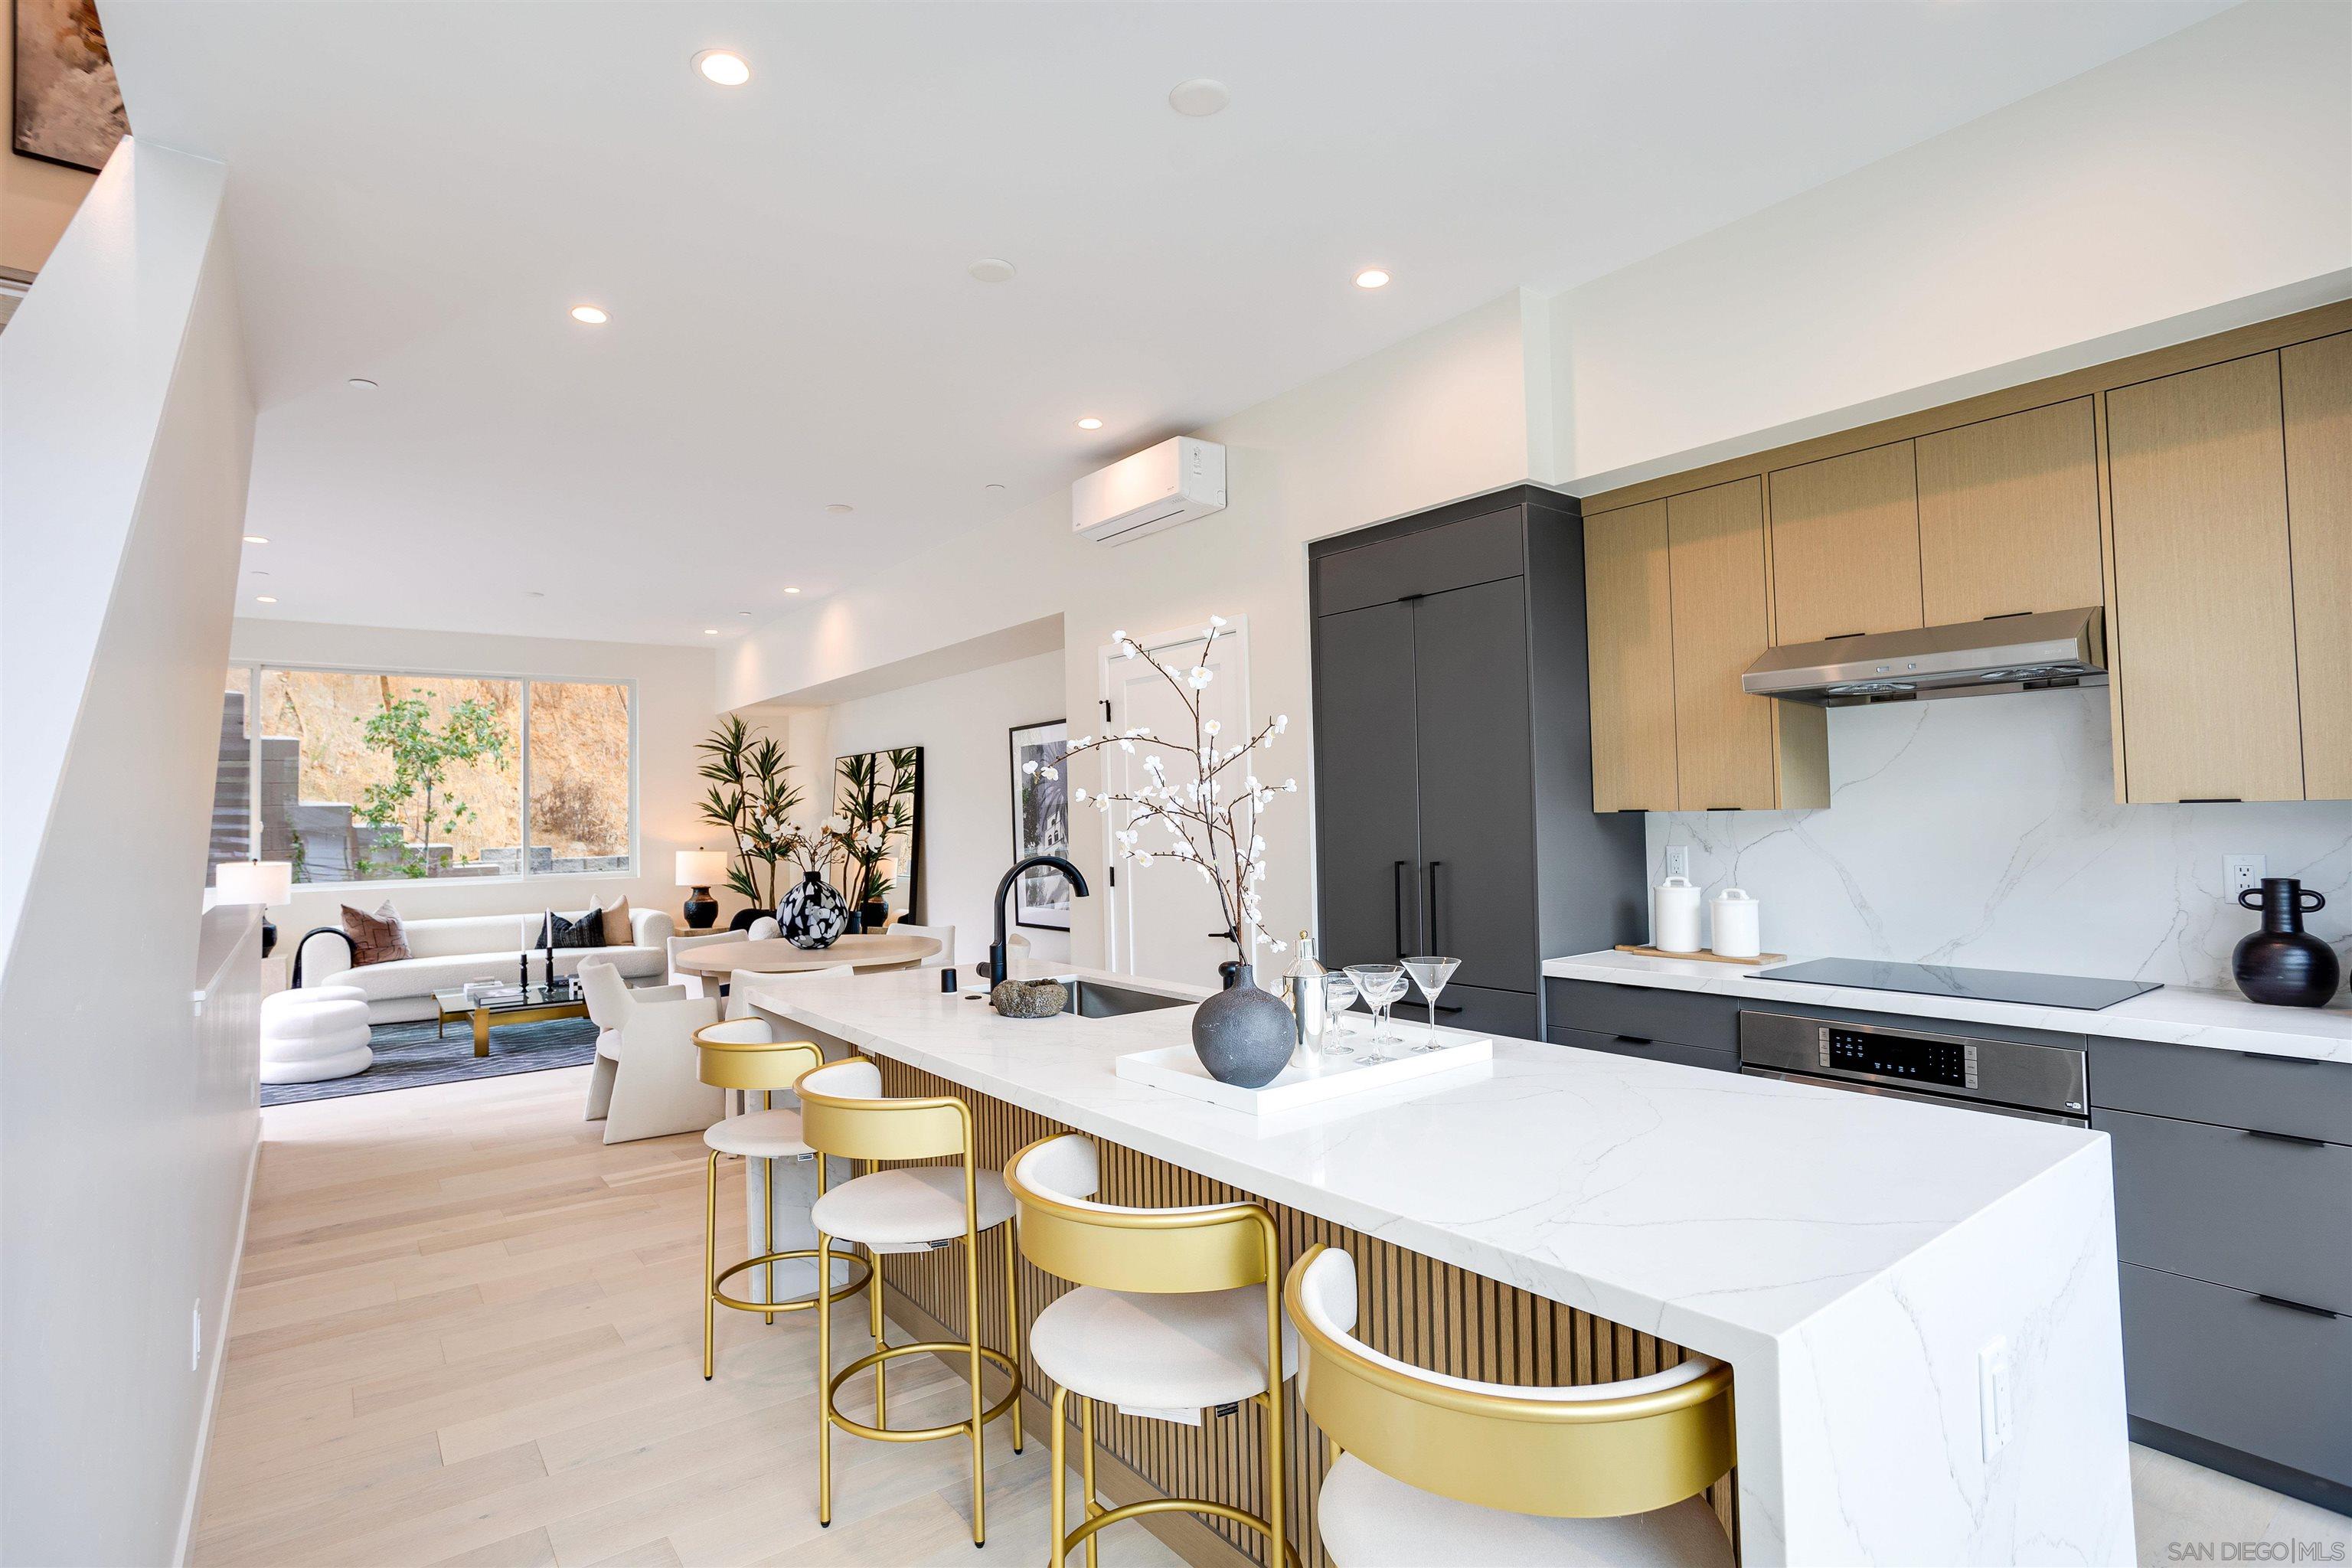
<point x="1302" y="986"/>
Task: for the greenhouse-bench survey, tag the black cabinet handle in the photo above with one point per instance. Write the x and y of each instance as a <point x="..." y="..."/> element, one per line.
<point x="1435" y="945"/>
<point x="1634" y="1039"/>
<point x="2296" y="1306"/>
<point x="1228" y="935"/>
<point x="1423" y="1008"/>
<point x="2287" y="1138"/>
<point x="1400" y="907"/>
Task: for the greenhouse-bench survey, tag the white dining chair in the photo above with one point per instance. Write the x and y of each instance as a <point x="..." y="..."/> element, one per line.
<point x="944" y="935"/>
<point x="647" y="1081"/>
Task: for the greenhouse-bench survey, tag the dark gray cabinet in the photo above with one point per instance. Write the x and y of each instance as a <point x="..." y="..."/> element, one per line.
<point x="1452" y="770"/>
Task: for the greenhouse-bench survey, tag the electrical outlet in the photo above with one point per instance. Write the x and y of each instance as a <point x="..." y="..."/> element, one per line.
<point x="196" y="1334"/>
<point x="1992" y="1395"/>
<point x="1678" y="859"/>
<point x="2240" y="872"/>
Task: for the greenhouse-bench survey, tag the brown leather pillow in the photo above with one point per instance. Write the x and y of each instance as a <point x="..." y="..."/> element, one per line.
<point x="617" y="932"/>
<point x="378" y="938"/>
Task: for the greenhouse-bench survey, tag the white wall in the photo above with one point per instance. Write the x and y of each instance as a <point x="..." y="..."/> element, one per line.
<point x="2142" y="198"/>
<point x="1437" y="417"/>
<point x="1983" y="831"/>
<point x="126" y="427"/>
<point x="963" y="723"/>
<point x="675" y="710"/>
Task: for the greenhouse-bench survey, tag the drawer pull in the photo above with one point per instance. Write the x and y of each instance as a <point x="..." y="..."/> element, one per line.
<point x="2296" y="1306"/>
<point x="1634" y="1039"/>
<point x="2287" y="1138"/>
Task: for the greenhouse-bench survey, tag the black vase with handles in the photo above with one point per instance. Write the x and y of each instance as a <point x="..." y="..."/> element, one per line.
<point x="2282" y="964"/>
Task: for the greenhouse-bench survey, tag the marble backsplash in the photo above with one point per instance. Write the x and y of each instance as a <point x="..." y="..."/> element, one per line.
<point x="1983" y="831"/>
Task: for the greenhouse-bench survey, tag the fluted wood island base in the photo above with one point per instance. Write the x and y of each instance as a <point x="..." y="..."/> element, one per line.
<point x="1414" y="1307"/>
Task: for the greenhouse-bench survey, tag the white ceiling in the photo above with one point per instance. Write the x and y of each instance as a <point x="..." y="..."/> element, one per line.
<point x="420" y="191"/>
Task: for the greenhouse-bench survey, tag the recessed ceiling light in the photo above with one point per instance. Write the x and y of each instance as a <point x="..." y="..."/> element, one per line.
<point x="589" y="315"/>
<point x="256" y="539"/>
<point x="256" y="574"/>
<point x="361" y="383"/>
<point x="792" y="590"/>
<point x="1371" y="278"/>
<point x="840" y="506"/>
<point x="746" y="614"/>
<point x="1090" y="423"/>
<point x="991" y="270"/>
<point x="710" y="631"/>
<point x="1199" y="97"/>
<point x="992" y="486"/>
<point x="262" y="599"/>
<point x="722" y="67"/>
<point x="533" y="594"/>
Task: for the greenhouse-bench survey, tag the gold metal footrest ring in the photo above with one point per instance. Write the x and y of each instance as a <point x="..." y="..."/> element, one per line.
<point x="1110" y="1516"/>
<point x="922" y="1434"/>
<point x="799" y="1303"/>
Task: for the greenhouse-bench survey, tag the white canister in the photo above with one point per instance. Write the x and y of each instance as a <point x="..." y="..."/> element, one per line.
<point x="1737" y="929"/>
<point x="1674" y="915"/>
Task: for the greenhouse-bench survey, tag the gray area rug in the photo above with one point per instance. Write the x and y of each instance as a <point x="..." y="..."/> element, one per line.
<point x="408" y="1057"/>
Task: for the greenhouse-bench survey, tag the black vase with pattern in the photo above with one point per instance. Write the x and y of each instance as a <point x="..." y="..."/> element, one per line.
<point x="814" y="913"/>
<point x="2283" y="963"/>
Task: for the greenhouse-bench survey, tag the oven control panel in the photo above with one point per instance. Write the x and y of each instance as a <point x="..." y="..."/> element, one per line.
<point x="1918" y="1058"/>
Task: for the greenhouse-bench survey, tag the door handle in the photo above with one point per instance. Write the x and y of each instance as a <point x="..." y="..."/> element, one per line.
<point x="1435" y="945"/>
<point x="1400" y="907"/>
<point x="2287" y="1138"/>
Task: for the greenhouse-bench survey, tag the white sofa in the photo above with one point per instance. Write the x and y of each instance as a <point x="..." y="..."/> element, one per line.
<point x="446" y="953"/>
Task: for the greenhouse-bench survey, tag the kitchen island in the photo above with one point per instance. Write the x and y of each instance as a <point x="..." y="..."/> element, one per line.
<point x="1865" y="1266"/>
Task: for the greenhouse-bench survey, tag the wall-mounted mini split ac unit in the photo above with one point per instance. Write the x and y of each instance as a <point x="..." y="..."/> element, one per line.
<point x="1174" y="482"/>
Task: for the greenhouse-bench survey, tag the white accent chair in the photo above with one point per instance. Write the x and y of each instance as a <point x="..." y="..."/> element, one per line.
<point x="647" y="1081"/>
<point x="314" y="1035"/>
<point x="944" y="935"/>
<point x="1371" y="1517"/>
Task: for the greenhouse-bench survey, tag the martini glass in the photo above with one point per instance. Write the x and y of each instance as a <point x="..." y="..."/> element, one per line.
<point x="1431" y="974"/>
<point x="1379" y="984"/>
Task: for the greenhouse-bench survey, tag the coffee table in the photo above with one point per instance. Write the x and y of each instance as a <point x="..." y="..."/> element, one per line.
<point x="526" y="1004"/>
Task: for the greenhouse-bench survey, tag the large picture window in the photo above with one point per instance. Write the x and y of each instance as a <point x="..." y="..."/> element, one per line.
<point x="379" y="775"/>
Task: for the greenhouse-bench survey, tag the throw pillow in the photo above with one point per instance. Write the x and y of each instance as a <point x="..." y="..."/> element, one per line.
<point x="575" y="930"/>
<point x="378" y="938"/>
<point x="618" y="928"/>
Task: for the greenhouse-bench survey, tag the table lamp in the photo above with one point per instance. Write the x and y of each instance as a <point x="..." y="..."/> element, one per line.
<point x="697" y="871"/>
<point x="263" y="882"/>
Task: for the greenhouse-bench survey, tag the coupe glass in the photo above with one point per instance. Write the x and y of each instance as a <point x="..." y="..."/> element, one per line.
<point x="1338" y="995"/>
<point x="1379" y="984"/>
<point x="1431" y="974"/>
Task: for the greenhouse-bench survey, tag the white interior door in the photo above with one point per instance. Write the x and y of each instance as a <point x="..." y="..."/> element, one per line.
<point x="1165" y="921"/>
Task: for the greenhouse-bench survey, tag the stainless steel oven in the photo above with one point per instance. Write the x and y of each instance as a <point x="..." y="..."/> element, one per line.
<point x="2008" y="1077"/>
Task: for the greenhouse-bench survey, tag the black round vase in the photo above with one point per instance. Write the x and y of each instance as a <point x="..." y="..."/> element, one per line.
<point x="812" y="914"/>
<point x="2282" y="964"/>
<point x="1243" y="1034"/>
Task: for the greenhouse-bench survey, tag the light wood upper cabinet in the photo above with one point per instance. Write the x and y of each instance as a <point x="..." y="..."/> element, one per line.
<point x="2205" y="631"/>
<point x="2009" y="515"/>
<point x="1629" y="623"/>
<point x="2317" y="382"/>
<point x="1723" y="736"/>
<point x="1845" y="545"/>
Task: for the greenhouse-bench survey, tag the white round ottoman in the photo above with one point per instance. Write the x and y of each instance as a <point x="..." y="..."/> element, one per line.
<point x="305" y="1038"/>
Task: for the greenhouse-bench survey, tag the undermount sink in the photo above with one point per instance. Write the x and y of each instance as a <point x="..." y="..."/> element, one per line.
<point x="1094" y="999"/>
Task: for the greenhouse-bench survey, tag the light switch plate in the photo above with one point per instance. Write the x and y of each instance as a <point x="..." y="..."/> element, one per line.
<point x="2240" y="872"/>
<point x="1678" y="859"/>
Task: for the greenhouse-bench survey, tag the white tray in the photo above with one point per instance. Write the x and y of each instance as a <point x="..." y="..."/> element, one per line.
<point x="1177" y="1067"/>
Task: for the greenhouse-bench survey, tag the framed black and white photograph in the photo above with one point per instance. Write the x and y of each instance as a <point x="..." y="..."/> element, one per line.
<point x="1041" y="822"/>
<point x="69" y="107"/>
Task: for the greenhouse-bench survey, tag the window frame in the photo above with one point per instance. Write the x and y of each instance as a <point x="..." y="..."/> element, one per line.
<point x="253" y="667"/>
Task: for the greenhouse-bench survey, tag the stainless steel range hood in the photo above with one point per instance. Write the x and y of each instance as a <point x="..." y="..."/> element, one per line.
<point x="2008" y="653"/>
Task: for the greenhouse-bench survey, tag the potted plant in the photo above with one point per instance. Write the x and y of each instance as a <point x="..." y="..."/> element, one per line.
<point x="875" y="804"/>
<point x="750" y="797"/>
<point x="1207" y="807"/>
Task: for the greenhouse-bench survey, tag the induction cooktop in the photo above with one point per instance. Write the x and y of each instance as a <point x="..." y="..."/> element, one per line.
<point x="2079" y="992"/>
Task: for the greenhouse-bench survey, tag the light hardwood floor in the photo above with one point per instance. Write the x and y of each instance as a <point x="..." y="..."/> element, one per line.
<point x="467" y="1331"/>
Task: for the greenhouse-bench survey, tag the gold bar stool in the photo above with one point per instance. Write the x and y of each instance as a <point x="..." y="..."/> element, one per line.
<point x="904" y="1209"/>
<point x="744" y="1053"/>
<point x="1444" y="1469"/>
<point x="1176" y="1312"/>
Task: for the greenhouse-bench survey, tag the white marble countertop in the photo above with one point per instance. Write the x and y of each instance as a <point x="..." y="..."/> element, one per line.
<point x="2176" y="1014"/>
<point x="1736" y="1216"/>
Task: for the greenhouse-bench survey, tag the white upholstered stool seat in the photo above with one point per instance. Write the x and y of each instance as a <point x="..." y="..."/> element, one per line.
<point x="910" y="1207"/>
<point x="760" y="1135"/>
<point x="1149" y="1351"/>
<point x="1374" y="1521"/>
<point x="314" y="1040"/>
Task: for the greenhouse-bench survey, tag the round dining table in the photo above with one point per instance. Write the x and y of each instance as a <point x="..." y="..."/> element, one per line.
<point x="775" y="955"/>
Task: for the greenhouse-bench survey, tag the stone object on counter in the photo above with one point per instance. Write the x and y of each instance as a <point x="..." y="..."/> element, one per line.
<point x="1029" y="998"/>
